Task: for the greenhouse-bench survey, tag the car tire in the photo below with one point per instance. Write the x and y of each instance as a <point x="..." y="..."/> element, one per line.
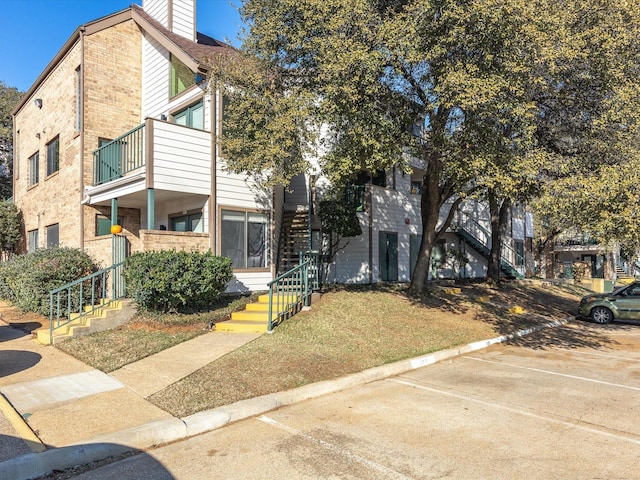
<point x="601" y="315"/>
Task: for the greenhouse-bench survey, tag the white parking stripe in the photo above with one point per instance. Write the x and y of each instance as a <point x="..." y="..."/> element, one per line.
<point x="597" y="354"/>
<point x="549" y="372"/>
<point x="335" y="449"/>
<point x="572" y="424"/>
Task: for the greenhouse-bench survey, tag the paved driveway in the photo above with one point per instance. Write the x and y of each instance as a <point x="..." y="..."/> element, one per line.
<point x="561" y="404"/>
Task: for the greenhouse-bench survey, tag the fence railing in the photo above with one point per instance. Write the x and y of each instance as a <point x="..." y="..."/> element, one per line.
<point x="84" y="296"/>
<point x="508" y="255"/>
<point x="291" y="291"/>
<point x="119" y="157"/>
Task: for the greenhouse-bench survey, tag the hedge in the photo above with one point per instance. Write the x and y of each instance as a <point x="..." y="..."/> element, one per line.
<point x="176" y="281"/>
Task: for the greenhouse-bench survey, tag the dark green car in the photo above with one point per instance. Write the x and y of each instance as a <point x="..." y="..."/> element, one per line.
<point x="622" y="304"/>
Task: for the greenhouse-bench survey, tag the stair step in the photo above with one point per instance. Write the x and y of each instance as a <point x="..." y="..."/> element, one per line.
<point x="241" y="327"/>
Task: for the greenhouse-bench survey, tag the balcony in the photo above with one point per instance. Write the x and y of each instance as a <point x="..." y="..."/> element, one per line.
<point x="119" y="157"/>
<point x="170" y="158"/>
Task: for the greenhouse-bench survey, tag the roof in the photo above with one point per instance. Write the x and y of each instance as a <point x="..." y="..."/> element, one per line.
<point x="192" y="54"/>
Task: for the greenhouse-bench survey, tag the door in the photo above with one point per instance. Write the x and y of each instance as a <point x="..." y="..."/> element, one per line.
<point x="388" y="252"/>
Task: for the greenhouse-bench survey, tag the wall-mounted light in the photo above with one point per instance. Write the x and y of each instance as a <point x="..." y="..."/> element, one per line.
<point x="163" y="117"/>
<point x="38" y="102"/>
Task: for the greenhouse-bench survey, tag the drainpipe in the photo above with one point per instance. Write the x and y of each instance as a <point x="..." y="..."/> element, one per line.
<point x="309" y="203"/>
<point x="369" y="203"/>
<point x="82" y="154"/>
<point x="213" y="204"/>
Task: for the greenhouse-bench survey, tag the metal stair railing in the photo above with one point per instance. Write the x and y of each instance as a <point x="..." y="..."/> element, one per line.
<point x="292" y="290"/>
<point x="84" y="296"/>
<point x="481" y="236"/>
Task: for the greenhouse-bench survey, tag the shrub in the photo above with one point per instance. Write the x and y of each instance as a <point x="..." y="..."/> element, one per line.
<point x="170" y="281"/>
<point x="27" y="279"/>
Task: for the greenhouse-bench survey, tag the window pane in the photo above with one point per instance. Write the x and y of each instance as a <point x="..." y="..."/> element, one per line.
<point x="257" y="241"/>
<point x="197" y="116"/>
<point x="53" y="163"/>
<point x="53" y="236"/>
<point x="33" y="241"/>
<point x="103" y="225"/>
<point x="180" y="118"/>
<point x="34" y="163"/>
<point x="181" y="76"/>
<point x="233" y="237"/>
<point x="179" y="224"/>
<point x="196" y="223"/>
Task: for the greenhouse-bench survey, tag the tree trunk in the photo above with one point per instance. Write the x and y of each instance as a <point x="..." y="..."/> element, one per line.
<point x="499" y="213"/>
<point x="431" y="201"/>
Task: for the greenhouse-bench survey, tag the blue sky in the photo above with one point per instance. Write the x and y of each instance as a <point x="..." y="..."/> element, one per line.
<point x="32" y="31"/>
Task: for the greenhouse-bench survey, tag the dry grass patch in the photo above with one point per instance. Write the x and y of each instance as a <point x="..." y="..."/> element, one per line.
<point x="147" y="334"/>
<point x="357" y="328"/>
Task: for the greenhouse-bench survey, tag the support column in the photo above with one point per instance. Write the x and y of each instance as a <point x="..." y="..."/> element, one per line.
<point x="114" y="211"/>
<point x="151" y="209"/>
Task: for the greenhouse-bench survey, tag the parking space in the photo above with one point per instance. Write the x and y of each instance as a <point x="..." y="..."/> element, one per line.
<point x="534" y="409"/>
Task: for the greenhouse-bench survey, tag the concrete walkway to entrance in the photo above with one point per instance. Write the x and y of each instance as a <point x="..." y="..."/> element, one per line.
<point x="52" y="400"/>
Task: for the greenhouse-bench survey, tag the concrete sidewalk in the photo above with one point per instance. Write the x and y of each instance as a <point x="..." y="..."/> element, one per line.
<point x="59" y="412"/>
<point x="50" y="400"/>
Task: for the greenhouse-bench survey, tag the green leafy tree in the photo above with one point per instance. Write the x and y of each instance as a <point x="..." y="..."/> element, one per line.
<point x="10" y="226"/>
<point x="474" y="91"/>
<point x="9" y="98"/>
<point x="338" y="220"/>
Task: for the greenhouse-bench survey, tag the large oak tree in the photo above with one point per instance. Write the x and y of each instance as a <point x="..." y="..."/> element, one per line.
<point x="476" y="92"/>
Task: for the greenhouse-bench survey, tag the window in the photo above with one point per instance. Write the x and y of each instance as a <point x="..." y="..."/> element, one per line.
<point x="519" y="252"/>
<point x="244" y="238"/>
<point x="32" y="240"/>
<point x="53" y="235"/>
<point x="103" y="224"/>
<point x="53" y="156"/>
<point x="191" y="222"/>
<point x="181" y="77"/>
<point x="192" y="116"/>
<point x="34" y="169"/>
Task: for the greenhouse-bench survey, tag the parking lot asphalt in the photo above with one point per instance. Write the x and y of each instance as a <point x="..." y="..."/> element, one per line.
<point x="562" y="403"/>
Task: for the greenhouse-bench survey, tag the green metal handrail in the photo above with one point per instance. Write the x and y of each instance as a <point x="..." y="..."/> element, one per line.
<point x="119" y="157"/>
<point x="292" y="290"/>
<point x="506" y="248"/>
<point x="84" y="296"/>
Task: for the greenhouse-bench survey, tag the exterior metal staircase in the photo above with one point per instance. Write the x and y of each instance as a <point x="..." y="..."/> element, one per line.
<point x="475" y="235"/>
<point x="294" y="238"/>
<point x="288" y="294"/>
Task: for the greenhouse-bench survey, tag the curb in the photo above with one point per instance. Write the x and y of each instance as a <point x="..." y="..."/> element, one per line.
<point x="146" y="436"/>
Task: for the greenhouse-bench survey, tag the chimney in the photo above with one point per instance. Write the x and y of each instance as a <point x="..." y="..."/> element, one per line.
<point x="178" y="16"/>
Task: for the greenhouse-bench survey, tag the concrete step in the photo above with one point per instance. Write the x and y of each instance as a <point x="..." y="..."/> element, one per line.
<point x="242" y="327"/>
<point x="104" y="318"/>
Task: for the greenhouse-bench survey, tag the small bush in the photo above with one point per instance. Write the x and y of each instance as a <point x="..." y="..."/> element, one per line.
<point x="170" y="281"/>
<point x="27" y="279"/>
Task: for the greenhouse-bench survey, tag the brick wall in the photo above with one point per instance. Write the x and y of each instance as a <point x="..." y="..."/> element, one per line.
<point x="166" y="240"/>
<point x="56" y="198"/>
<point x="112" y="106"/>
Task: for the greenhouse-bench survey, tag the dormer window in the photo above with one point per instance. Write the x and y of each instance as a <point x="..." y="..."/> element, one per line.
<point x="181" y="77"/>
